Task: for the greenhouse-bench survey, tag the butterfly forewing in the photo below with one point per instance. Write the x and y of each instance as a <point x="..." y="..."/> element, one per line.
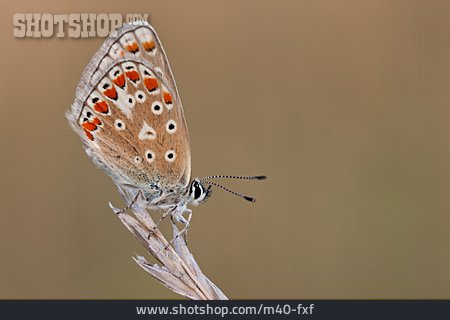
<point x="129" y="114"/>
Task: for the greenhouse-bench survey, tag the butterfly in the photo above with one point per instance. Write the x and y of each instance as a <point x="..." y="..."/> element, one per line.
<point x="128" y="113"/>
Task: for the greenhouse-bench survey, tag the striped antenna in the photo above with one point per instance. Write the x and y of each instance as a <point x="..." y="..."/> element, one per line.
<point x="235" y="177"/>
<point x="231" y="191"/>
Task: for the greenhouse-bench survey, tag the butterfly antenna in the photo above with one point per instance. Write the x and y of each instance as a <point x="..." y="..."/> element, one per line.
<point x="235" y="177"/>
<point x="231" y="191"/>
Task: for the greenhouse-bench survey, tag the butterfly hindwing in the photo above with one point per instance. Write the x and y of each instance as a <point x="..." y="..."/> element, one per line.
<point x="129" y="114"/>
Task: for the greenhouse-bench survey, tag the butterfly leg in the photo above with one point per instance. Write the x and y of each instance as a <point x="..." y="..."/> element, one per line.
<point x="140" y="193"/>
<point x="184" y="221"/>
<point x="164" y="215"/>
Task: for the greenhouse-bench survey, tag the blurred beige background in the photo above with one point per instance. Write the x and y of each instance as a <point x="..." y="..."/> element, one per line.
<point x="343" y="104"/>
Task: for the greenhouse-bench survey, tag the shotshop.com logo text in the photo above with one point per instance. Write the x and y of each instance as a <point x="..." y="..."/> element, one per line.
<point x="73" y="25"/>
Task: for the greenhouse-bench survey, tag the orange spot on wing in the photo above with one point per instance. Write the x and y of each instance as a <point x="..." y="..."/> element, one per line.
<point x="167" y="98"/>
<point x="89" y="135"/>
<point x="101" y="107"/>
<point x="132" y="75"/>
<point x="133" y="47"/>
<point x="122" y="53"/>
<point x="120" y="81"/>
<point x="89" y="126"/>
<point x="151" y="84"/>
<point x="111" y="93"/>
<point x="97" y="121"/>
<point x="148" y="45"/>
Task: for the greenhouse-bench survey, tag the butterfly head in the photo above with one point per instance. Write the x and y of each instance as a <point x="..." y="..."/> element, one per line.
<point x="200" y="189"/>
<point x="198" y="193"/>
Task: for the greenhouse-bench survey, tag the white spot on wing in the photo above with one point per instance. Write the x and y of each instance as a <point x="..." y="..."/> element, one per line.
<point x="157" y="107"/>
<point x="170" y="156"/>
<point x="140" y="96"/>
<point x="130" y="101"/>
<point x="171" y="126"/>
<point x="147" y="132"/>
<point x="119" y="125"/>
<point x="150" y="155"/>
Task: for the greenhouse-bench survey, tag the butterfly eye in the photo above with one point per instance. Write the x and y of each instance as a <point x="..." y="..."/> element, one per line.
<point x="171" y="126"/>
<point x="170" y="156"/>
<point x="140" y="96"/>
<point x="197" y="190"/>
<point x="157" y="108"/>
<point x="137" y="159"/>
<point x="149" y="155"/>
<point x="119" y="125"/>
